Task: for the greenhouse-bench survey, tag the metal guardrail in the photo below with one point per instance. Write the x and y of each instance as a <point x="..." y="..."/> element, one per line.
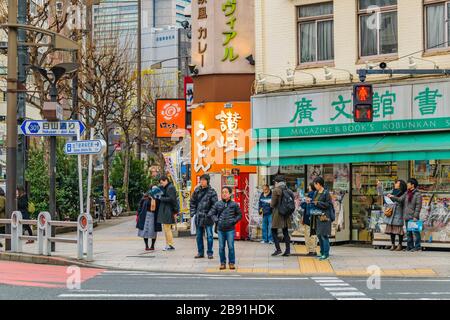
<point x="44" y="223"/>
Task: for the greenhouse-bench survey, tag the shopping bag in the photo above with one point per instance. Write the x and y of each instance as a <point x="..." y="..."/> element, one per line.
<point x="193" y="226"/>
<point x="415" y="225"/>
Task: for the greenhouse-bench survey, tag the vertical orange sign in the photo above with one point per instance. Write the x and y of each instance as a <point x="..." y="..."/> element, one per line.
<point x="170" y="116"/>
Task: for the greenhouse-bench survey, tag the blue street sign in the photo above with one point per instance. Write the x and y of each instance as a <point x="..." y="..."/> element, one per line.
<point x="85" y="147"/>
<point x="49" y="128"/>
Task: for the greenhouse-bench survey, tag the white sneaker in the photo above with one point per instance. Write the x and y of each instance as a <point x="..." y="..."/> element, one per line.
<point x="262" y="241"/>
<point x="166" y="248"/>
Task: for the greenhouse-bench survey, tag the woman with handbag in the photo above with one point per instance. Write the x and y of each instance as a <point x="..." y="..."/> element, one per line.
<point x="394" y="217"/>
<point x="146" y="220"/>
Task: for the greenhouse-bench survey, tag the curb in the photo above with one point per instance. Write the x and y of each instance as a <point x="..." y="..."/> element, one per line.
<point x="60" y="261"/>
<point x="50" y="260"/>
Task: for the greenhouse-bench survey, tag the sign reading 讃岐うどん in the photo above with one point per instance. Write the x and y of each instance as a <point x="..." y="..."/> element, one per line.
<point x="397" y="108"/>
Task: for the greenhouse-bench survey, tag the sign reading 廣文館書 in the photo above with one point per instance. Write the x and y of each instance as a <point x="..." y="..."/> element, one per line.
<point x="170" y="118"/>
<point x="222" y="36"/>
<point x="397" y="108"/>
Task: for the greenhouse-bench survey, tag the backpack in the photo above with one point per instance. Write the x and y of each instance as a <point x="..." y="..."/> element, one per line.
<point x="287" y="203"/>
<point x="332" y="212"/>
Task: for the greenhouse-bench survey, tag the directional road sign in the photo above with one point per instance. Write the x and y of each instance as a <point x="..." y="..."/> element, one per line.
<point x="85" y="147"/>
<point x="49" y="128"/>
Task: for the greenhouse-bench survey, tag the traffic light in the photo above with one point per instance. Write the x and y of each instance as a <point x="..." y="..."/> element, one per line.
<point x="362" y="103"/>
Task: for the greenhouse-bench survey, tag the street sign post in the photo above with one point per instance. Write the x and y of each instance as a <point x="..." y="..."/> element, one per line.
<point x="83" y="147"/>
<point x="44" y="128"/>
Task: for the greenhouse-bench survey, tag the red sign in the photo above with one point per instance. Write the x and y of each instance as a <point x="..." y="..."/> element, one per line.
<point x="170" y="116"/>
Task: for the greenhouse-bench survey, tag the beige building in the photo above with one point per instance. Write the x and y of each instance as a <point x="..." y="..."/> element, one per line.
<point x="307" y="54"/>
<point x="308" y="35"/>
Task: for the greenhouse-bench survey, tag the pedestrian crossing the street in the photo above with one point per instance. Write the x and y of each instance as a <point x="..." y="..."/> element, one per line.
<point x="339" y="289"/>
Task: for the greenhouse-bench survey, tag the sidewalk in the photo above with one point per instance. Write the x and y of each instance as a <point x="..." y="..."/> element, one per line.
<point x="117" y="246"/>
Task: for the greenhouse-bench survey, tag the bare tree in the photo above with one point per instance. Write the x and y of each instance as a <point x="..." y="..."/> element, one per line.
<point x="104" y="91"/>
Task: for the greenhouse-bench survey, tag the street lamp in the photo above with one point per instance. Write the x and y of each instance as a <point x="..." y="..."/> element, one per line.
<point x="58" y="71"/>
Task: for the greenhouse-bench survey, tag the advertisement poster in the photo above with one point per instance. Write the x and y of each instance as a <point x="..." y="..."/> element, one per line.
<point x="314" y="172"/>
<point x="170" y="116"/>
<point x="341" y="177"/>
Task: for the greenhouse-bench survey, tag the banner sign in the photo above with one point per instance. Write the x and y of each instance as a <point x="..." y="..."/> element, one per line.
<point x="170" y="116"/>
<point x="397" y="108"/>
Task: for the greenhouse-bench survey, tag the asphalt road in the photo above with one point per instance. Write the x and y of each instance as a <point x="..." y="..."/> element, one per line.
<point x="25" y="281"/>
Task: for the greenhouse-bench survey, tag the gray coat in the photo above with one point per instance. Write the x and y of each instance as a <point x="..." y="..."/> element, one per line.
<point x="411" y="209"/>
<point x="167" y="205"/>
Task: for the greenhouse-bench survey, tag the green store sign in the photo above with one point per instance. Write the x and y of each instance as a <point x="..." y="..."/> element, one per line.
<point x="401" y="108"/>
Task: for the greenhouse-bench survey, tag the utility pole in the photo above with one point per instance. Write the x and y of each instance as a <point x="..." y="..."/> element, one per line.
<point x="11" y="118"/>
<point x="21" y="96"/>
<point x="139" y="78"/>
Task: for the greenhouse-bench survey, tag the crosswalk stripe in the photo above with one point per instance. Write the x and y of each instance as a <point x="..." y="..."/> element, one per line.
<point x="354" y="299"/>
<point x="324" y="278"/>
<point x="330" y="281"/>
<point x="341" y="289"/>
<point x="343" y="294"/>
<point x="334" y="284"/>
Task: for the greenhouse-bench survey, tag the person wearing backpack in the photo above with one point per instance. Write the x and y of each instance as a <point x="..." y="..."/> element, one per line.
<point x="283" y="206"/>
<point x="323" y="215"/>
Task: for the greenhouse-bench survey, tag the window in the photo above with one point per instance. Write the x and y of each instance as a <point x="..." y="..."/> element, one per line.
<point x="377" y="27"/>
<point x="437" y="25"/>
<point x="315" y="32"/>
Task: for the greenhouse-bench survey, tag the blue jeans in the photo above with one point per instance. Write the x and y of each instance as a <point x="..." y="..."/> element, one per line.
<point x="209" y="240"/>
<point x="324" y="243"/>
<point x="411" y="243"/>
<point x="227" y="237"/>
<point x="267" y="228"/>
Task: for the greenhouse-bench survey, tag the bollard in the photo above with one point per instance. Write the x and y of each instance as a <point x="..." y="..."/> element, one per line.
<point x="85" y="234"/>
<point x="16" y="231"/>
<point x="42" y="235"/>
<point x="48" y="234"/>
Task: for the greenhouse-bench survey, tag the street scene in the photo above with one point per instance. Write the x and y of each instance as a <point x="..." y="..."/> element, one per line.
<point x="232" y="150"/>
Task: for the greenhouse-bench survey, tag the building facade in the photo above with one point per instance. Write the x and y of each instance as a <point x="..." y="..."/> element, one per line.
<point x="302" y="110"/>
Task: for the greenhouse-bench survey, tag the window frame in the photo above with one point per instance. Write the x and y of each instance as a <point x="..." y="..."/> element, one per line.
<point x="366" y="12"/>
<point x="426" y="4"/>
<point x="316" y="20"/>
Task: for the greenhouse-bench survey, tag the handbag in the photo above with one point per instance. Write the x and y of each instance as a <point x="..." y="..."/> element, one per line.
<point x="193" y="226"/>
<point x="388" y="211"/>
<point x="414" y="226"/>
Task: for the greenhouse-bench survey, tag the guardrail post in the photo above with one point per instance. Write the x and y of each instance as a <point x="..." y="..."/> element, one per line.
<point x="16" y="231"/>
<point x="41" y="227"/>
<point x="48" y="234"/>
<point x="85" y="233"/>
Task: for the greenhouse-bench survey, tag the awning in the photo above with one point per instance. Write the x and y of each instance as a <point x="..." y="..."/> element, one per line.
<point x="431" y="146"/>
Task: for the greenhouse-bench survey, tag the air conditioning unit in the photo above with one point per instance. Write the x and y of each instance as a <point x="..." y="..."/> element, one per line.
<point x="59" y="7"/>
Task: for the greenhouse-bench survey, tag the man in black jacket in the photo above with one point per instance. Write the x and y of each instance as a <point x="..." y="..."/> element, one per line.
<point x="167" y="210"/>
<point x="202" y="200"/>
<point x="226" y="214"/>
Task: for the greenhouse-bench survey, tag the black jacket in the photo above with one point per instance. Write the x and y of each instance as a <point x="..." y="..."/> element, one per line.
<point x="167" y="205"/>
<point x="22" y="206"/>
<point x="142" y="213"/>
<point x="202" y="200"/>
<point x="226" y="215"/>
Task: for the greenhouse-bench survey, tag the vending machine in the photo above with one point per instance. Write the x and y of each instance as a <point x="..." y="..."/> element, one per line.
<point x="239" y="182"/>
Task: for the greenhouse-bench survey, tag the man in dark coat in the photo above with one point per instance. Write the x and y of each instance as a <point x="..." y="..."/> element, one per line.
<point x="167" y="210"/>
<point x="202" y="200"/>
<point x="22" y="206"/>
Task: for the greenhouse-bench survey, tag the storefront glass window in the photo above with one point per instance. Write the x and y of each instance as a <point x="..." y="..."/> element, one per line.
<point x="366" y="203"/>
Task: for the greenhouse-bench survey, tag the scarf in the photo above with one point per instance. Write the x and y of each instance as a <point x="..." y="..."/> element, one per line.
<point x="410" y="195"/>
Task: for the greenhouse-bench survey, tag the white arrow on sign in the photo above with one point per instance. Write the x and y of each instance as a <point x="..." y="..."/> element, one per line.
<point x="85" y="147"/>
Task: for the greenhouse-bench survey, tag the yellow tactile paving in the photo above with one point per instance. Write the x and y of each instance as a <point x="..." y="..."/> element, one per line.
<point x="425" y="271"/>
<point x="277" y="271"/>
<point x="307" y="265"/>
<point x="409" y="272"/>
<point x="245" y="270"/>
<point x="260" y="270"/>
<point x="323" y="266"/>
<point x="391" y="273"/>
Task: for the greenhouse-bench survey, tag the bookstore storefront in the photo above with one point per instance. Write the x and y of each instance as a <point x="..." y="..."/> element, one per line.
<point x="315" y="132"/>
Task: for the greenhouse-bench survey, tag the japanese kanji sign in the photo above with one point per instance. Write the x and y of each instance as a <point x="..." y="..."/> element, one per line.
<point x="222" y="36"/>
<point x="396" y="108"/>
<point x="57" y="128"/>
